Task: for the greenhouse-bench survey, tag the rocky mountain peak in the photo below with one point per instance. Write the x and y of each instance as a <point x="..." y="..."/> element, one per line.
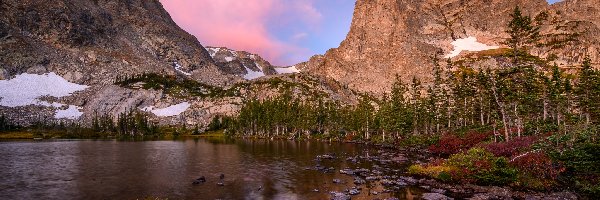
<point x="244" y="64"/>
<point x="389" y="37"/>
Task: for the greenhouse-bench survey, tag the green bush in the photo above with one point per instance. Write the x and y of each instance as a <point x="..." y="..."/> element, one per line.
<point x="474" y="166"/>
<point x="483" y="167"/>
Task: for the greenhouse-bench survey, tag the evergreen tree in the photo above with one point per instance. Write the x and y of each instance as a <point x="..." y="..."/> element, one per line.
<point x="522" y="33"/>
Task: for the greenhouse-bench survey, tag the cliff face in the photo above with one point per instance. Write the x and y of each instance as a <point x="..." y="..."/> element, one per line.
<point x="389" y="37"/>
<point x="92" y="41"/>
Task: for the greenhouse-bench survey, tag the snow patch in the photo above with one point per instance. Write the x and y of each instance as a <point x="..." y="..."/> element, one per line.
<point x="468" y="44"/>
<point x="70" y="113"/>
<point x="287" y="70"/>
<point x="229" y="59"/>
<point x="25" y="89"/>
<point x="213" y="51"/>
<point x="170" y="111"/>
<point x="178" y="68"/>
<point x="251" y="74"/>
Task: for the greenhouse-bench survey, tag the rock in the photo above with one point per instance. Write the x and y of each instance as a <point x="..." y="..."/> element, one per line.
<point x="222" y="176"/>
<point x="401" y="182"/>
<point x="337" y="181"/>
<point x="399" y="158"/>
<point x="387" y="182"/>
<point x="359" y="181"/>
<point x="347" y="171"/>
<point x="435" y="196"/>
<point x="315" y="190"/>
<point x="354" y="192"/>
<point x="326" y="156"/>
<point x="409" y="180"/>
<point x="552" y="196"/>
<point x="440" y="191"/>
<point x="38" y="69"/>
<point x="3" y="74"/>
<point x="372" y="178"/>
<point x="339" y="196"/>
<point x="221" y="184"/>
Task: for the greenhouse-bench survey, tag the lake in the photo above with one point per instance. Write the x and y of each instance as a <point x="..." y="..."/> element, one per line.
<point x="252" y="169"/>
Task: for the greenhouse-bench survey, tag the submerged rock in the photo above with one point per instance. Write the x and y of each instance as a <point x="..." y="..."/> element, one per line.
<point x="202" y="179"/>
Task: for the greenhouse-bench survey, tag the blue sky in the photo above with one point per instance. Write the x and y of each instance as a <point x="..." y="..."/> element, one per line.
<point x="284" y="32"/>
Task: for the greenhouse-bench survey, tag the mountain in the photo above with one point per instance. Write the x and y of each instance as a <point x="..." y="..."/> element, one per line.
<point x="389" y="37"/>
<point x="76" y="60"/>
<point x="244" y="64"/>
<point x="93" y="41"/>
<point x="60" y="60"/>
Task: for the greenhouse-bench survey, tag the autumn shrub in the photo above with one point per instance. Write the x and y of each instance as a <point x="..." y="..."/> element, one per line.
<point x="473" y="166"/>
<point x="579" y="153"/>
<point x="452" y="144"/>
<point x="483" y="167"/>
<point x="537" y="171"/>
<point x="510" y="148"/>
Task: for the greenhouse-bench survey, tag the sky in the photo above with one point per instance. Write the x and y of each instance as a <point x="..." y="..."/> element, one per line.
<point x="284" y="32"/>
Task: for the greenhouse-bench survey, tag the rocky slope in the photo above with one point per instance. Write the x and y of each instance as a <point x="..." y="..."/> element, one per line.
<point x="389" y="37"/>
<point x="92" y="41"/>
<point x="67" y="54"/>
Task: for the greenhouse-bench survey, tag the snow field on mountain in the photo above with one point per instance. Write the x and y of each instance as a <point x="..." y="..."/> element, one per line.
<point x="287" y="70"/>
<point x="468" y="44"/>
<point x="170" y="111"/>
<point x="26" y="89"/>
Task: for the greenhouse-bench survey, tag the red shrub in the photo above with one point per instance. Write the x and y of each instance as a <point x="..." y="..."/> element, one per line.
<point x="512" y="147"/>
<point x="537" y="164"/>
<point x="452" y="144"/>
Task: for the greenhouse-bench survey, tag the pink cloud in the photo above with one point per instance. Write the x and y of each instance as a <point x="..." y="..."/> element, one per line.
<point x="243" y="24"/>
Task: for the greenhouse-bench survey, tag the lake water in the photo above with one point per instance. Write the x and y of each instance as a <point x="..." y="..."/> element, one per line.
<point x="252" y="169"/>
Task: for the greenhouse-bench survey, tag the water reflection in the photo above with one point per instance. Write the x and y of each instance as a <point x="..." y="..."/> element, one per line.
<point x="253" y="169"/>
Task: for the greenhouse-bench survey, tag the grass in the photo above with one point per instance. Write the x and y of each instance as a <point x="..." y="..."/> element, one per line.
<point x="16" y="135"/>
<point x="219" y="133"/>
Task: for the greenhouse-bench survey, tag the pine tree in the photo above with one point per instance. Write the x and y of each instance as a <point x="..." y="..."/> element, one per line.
<point x="522" y="33"/>
<point x="585" y="90"/>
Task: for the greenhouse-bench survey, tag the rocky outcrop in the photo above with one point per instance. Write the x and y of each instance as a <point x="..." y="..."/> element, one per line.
<point x="390" y="37"/>
<point x="93" y="41"/>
